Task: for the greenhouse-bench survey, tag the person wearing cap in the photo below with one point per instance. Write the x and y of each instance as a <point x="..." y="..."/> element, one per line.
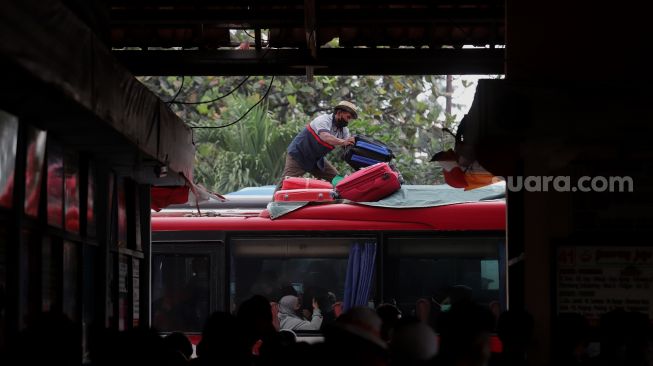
<point x="307" y="151"/>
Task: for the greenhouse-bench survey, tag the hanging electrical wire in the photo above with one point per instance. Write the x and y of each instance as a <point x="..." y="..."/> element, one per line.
<point x="246" y="113"/>
<point x="183" y="78"/>
<point x="216" y="99"/>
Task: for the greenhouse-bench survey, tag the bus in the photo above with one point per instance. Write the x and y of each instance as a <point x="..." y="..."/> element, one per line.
<point x="214" y="259"/>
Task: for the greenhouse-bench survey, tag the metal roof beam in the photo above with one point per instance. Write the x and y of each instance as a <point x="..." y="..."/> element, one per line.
<point x="288" y="18"/>
<point x="330" y="61"/>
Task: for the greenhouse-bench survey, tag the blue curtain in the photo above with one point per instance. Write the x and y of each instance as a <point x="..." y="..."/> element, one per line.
<point x="360" y="270"/>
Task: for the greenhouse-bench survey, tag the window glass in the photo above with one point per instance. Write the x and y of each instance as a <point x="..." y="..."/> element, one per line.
<point x="55" y="184"/>
<point x="90" y="292"/>
<point x="135" y="218"/>
<point x="490" y="271"/>
<point x="8" y="143"/>
<point x="29" y="290"/>
<point x="113" y="209"/>
<point x="71" y="185"/>
<point x="70" y="280"/>
<point x="122" y="214"/>
<point x="111" y="290"/>
<point x="123" y="291"/>
<point x="4" y="242"/>
<point x="136" y="294"/>
<point x="25" y="281"/>
<point x="34" y="170"/>
<point x="308" y="267"/>
<point x="50" y="267"/>
<point x="180" y="291"/>
<point x="424" y="273"/>
<point x="90" y="202"/>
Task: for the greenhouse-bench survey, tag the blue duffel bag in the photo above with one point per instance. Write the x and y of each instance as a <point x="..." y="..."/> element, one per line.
<point x="366" y="152"/>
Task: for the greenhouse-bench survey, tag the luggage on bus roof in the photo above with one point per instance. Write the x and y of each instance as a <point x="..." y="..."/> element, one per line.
<point x="412" y="196"/>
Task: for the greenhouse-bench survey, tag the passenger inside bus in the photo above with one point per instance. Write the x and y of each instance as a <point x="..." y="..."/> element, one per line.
<point x="327" y="302"/>
<point x="321" y="295"/>
<point x="289" y="319"/>
<point x="266" y="284"/>
<point x="423" y="310"/>
<point x="288" y="290"/>
<point x="390" y="316"/>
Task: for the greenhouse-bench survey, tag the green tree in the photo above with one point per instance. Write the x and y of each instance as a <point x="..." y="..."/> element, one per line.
<point x="403" y="111"/>
<point x="249" y="153"/>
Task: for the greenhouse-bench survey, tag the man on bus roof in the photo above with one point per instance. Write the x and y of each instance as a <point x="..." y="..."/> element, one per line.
<point x="307" y="151"/>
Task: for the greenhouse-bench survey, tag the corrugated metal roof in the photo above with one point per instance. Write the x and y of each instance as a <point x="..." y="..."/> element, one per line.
<point x="201" y="31"/>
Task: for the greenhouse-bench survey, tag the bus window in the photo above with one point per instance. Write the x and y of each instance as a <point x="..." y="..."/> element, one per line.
<point x="308" y="267"/>
<point x="180" y="292"/>
<point x="490" y="271"/>
<point x="432" y="270"/>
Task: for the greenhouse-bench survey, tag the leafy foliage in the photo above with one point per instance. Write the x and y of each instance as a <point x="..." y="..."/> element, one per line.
<point x="403" y="111"/>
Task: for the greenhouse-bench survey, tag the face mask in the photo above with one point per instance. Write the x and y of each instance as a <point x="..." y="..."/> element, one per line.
<point x="340" y="122"/>
<point x="445" y="307"/>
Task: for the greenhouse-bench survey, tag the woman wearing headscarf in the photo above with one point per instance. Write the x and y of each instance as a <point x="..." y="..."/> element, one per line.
<point x="288" y="318"/>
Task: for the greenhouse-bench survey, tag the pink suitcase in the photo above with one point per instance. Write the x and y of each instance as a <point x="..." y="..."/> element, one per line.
<point x="311" y="195"/>
<point x="369" y="184"/>
<point x="304" y="183"/>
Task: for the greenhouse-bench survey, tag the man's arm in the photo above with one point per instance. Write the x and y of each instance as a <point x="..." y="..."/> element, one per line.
<point x="332" y="140"/>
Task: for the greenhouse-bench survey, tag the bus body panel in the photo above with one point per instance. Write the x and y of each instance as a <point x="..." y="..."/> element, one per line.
<point x="408" y="239"/>
<point x="469" y="216"/>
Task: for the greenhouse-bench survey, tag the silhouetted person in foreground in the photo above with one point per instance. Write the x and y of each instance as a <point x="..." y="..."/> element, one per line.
<point x="257" y="331"/>
<point x="515" y="330"/>
<point x="465" y="335"/>
<point x="570" y="337"/>
<point x="143" y="346"/>
<point x="625" y="338"/>
<point x="103" y="345"/>
<point x="354" y="339"/>
<point x="220" y="344"/>
<point x="177" y="343"/>
<point x="414" y="343"/>
<point x="50" y="338"/>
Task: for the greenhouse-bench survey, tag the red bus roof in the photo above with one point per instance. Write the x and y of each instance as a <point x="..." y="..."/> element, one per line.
<point x="478" y="216"/>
